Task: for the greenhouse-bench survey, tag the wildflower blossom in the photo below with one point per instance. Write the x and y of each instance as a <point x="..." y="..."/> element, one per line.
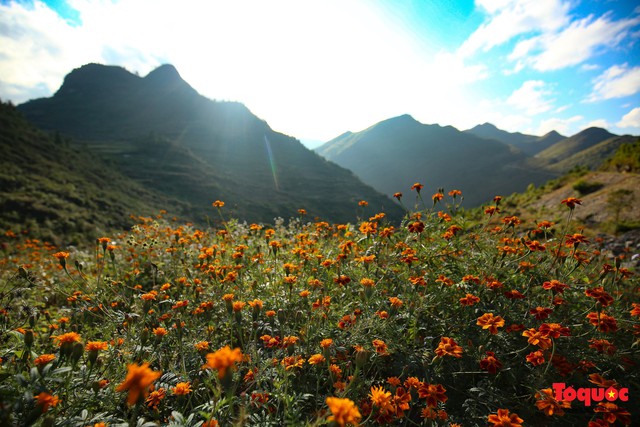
<point x="571" y="202"/>
<point x="504" y="419"/>
<point x="432" y="393"/>
<point x="68" y="338"/>
<point x="549" y="405"/>
<point x="155" y="397"/>
<point x="137" y="382"/>
<point x="182" y="388"/>
<point x="448" y="347"/>
<point x="343" y="411"/>
<point x="490" y="363"/>
<point x="490" y="322"/>
<point x="45" y="400"/>
<point x="223" y="359"/>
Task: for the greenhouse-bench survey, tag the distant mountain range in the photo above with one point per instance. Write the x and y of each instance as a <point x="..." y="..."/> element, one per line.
<point x="117" y="144"/>
<point x="482" y="162"/>
<point x="158" y="131"/>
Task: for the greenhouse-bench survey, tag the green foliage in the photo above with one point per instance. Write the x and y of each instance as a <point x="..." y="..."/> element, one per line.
<point x="56" y="191"/>
<point x="586" y="187"/>
<point x="625" y="159"/>
<point x="174" y="296"/>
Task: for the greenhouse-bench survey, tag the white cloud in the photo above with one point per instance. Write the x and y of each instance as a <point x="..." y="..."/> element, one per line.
<point x="510" y="18"/>
<point x="616" y="82"/>
<point x="532" y="97"/>
<point x="37" y="48"/>
<point x="574" y="44"/>
<point x="598" y="123"/>
<point x="631" y="119"/>
<point x="589" y="67"/>
<point x="569" y="126"/>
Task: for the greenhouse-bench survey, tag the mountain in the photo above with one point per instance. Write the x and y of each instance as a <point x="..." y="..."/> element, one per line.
<point x="529" y="144"/>
<point x="159" y="131"/>
<point x="592" y="156"/>
<point x="574" y="144"/>
<point x="395" y="153"/>
<point x="61" y="193"/>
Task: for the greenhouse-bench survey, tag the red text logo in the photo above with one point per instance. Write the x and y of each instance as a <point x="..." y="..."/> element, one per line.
<point x="589" y="394"/>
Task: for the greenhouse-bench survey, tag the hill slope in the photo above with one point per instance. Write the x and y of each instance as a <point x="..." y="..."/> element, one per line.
<point x="408" y="151"/>
<point x="58" y="192"/>
<point x="161" y="132"/>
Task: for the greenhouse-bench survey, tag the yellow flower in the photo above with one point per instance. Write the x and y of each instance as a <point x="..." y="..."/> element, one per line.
<point x="380" y="397"/>
<point x="137" y="382"/>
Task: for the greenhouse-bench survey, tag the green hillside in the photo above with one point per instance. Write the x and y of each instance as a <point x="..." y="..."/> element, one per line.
<point x="593" y="156"/>
<point x="573" y="145"/>
<point x="61" y="193"/>
<point x="159" y="131"/>
<point x="408" y="151"/>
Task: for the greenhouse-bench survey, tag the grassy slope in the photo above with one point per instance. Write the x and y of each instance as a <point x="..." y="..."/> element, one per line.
<point x="61" y="193"/>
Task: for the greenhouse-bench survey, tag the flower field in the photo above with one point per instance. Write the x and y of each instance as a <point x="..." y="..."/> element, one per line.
<point x="437" y="321"/>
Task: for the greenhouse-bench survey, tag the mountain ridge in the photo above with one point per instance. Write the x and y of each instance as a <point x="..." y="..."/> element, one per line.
<point x="132" y="120"/>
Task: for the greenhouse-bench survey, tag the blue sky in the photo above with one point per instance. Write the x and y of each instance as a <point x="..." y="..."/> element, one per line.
<point x="315" y="69"/>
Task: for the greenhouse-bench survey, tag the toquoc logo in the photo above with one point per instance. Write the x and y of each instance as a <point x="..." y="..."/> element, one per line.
<point x="589" y="394"/>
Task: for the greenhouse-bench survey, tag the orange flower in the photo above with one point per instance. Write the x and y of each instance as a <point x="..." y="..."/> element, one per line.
<point x="571" y="202"/>
<point x="536" y="358"/>
<point x="612" y="413"/>
<point x="536" y="337"/>
<point x="417" y="187"/>
<point x="202" y="345"/>
<point x="490" y="363"/>
<point x="316" y="359"/>
<point x="432" y="393"/>
<point x="326" y="343"/>
<point x="155" y="397"/>
<point x="448" y="347"/>
<point x="96" y="345"/>
<point x="367" y="283"/>
<point x="395" y="302"/>
<point x="549" y="405"/>
<point x="555" y="286"/>
<point x="381" y="398"/>
<point x="416" y="227"/>
<point x="540" y="313"/>
<point x="217" y="204"/>
<point x="380" y="346"/>
<point x="43" y="359"/>
<point x="223" y="359"/>
<point x="211" y="423"/>
<point x="490" y="322"/>
<point x="600" y="295"/>
<point x="603" y="321"/>
<point x="469" y="299"/>
<point x="68" y="338"/>
<point x="137" y="382"/>
<point x="160" y="332"/>
<point x="343" y="411"/>
<point x="238" y="306"/>
<point x="504" y="419"/>
<point x="182" y="388"/>
<point x="45" y="400"/>
<point x="437" y="197"/>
